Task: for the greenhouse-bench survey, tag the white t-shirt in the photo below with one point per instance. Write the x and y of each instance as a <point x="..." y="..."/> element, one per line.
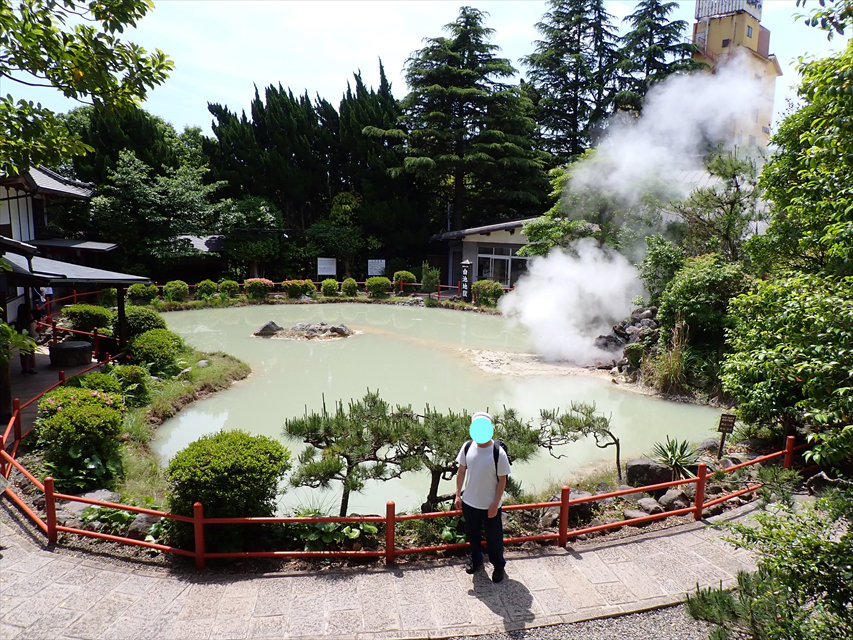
<point x="481" y="481"/>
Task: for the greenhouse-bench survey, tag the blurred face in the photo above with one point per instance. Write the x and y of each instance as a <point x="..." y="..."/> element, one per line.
<point x="481" y="429"/>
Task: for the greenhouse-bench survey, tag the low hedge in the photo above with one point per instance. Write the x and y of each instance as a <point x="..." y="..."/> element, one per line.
<point x="258" y="288"/>
<point x="229" y="288"/>
<point x="176" y="291"/>
<point x="404" y="277"/>
<point x="139" y="320"/>
<point x="378" y="286"/>
<point x="349" y="287"/>
<point x="206" y="289"/>
<point x="487" y="292"/>
<point x="142" y="292"/>
<point x="233" y="474"/>
<point x="329" y="287"/>
<point x="134" y="382"/>
<point x="86" y="317"/>
<point x="98" y="381"/>
<point x="66" y="396"/>
<point x="157" y="349"/>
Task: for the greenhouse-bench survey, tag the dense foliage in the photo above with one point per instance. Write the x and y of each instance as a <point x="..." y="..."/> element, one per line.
<point x="86" y="317"/>
<point x="232" y="474"/>
<point x="157" y="349"/>
<point x="176" y="290"/>
<point x="486" y="292"/>
<point x="378" y="286"/>
<point x="139" y="320"/>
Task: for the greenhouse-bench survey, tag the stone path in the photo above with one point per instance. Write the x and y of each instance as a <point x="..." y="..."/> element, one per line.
<point x="46" y="596"/>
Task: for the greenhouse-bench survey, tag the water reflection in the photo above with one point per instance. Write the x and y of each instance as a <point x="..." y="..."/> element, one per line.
<point x="412" y="356"/>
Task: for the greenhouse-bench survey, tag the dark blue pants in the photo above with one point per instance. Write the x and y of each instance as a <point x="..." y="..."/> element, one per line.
<point x="475" y="521"/>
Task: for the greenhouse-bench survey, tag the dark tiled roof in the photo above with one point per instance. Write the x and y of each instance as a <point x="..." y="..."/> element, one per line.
<point x="40" y="180"/>
<point x="461" y="233"/>
<point x="70" y="243"/>
<point x="57" y="272"/>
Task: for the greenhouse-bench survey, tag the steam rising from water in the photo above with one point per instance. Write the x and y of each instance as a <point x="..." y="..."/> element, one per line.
<point x="566" y="300"/>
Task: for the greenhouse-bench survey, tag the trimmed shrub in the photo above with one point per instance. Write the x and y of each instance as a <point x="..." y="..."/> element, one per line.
<point x="378" y="286"/>
<point x="487" y="292"/>
<point x="293" y="288"/>
<point x="108" y="297"/>
<point x="139" y="320"/>
<point x="85" y="317"/>
<point x="430" y="278"/>
<point x="329" y="287"/>
<point x="349" y="287"/>
<point x="143" y="292"/>
<point x="404" y="277"/>
<point x="176" y="291"/>
<point x="258" y="288"/>
<point x="158" y="349"/>
<point x="233" y="474"/>
<point x="81" y="446"/>
<point x="309" y="288"/>
<point x="133" y="381"/>
<point x="61" y="398"/>
<point x="230" y="288"/>
<point x="98" y="381"/>
<point x="206" y="289"/>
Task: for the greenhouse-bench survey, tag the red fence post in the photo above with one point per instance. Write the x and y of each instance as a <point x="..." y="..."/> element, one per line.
<point x="53" y="331"/>
<point x="74" y="296"/>
<point x="459" y="288"/>
<point x="789" y="452"/>
<point x="390" y="522"/>
<point x="96" y="344"/>
<point x="62" y="376"/>
<point x="198" y="525"/>
<point x="701" y="479"/>
<point x="16" y="415"/>
<point x="564" y="516"/>
<point x="50" y="509"/>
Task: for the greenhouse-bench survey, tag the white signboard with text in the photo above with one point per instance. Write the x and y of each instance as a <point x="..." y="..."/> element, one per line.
<point x="327" y="267"/>
<point x="375" y="267"/>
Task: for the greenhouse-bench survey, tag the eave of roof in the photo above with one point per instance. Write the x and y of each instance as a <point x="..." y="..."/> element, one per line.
<point x="81" y="245"/>
<point x="58" y="272"/>
<point x="490" y="228"/>
<point x="39" y="180"/>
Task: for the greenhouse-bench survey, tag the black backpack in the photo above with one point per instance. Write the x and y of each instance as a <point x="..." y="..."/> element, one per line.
<point x="497" y="443"/>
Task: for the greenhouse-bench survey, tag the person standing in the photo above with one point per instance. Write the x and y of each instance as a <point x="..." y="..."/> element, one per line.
<point x="26" y="325"/>
<point x="485" y="466"/>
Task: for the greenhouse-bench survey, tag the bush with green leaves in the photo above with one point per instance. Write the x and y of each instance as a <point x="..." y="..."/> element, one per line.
<point x="676" y="454"/>
<point x="232" y="474"/>
<point x="403" y="278"/>
<point x="329" y="536"/>
<point x="699" y="295"/>
<point x="81" y="447"/>
<point x="61" y="398"/>
<point x="349" y="287"/>
<point x="662" y="261"/>
<point x="634" y="353"/>
<point x="378" y="287"/>
<point x="142" y="292"/>
<point x="176" y="291"/>
<point x="96" y="380"/>
<point x="309" y="288"/>
<point x="258" y="288"/>
<point x="206" y="289"/>
<point x="229" y="288"/>
<point x="158" y="350"/>
<point x="487" y="292"/>
<point x="430" y="278"/>
<point x="86" y="317"/>
<point x="108" y="297"/>
<point x="329" y="287"/>
<point x="139" y="320"/>
<point x="134" y="383"/>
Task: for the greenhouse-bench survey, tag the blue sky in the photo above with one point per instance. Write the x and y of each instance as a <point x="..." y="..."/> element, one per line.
<point x="223" y="48"/>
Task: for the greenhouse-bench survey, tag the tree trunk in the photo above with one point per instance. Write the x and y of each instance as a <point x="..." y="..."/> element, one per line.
<point x="618" y="461"/>
<point x="432" y="496"/>
<point x="344" y="502"/>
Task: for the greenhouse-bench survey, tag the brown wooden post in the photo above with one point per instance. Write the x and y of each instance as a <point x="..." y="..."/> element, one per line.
<point x="53" y="331"/>
<point x="50" y="509"/>
<point x="198" y="525"/>
<point x="121" y="317"/>
<point x="96" y="344"/>
<point x="390" y="525"/>
<point x="62" y="375"/>
<point x="74" y="296"/>
<point x="789" y="452"/>
<point x="564" y="516"/>
<point x="701" y="479"/>
<point x="16" y="417"/>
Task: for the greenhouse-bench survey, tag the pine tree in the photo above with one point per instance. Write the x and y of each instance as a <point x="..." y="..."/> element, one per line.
<point x="452" y="114"/>
<point x="652" y="50"/>
<point x="571" y="74"/>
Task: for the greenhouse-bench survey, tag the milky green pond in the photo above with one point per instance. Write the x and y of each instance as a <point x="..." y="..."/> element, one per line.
<point x="412" y="356"/>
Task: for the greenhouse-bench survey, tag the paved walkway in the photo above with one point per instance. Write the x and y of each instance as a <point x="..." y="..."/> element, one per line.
<point x="48" y="596"/>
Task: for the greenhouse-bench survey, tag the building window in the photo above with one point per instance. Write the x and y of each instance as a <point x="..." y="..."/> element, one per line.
<point x="726" y="42"/>
<point x="500" y="264"/>
<point x="749" y="32"/>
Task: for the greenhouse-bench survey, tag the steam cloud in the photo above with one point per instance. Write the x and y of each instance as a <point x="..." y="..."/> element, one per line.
<point x="566" y="300"/>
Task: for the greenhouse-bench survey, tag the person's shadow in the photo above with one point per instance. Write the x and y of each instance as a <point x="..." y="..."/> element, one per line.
<point x="509" y="599"/>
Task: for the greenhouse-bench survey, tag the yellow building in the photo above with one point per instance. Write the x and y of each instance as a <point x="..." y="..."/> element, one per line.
<point x="725" y="28"/>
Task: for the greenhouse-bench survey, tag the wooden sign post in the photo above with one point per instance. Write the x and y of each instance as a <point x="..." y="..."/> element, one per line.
<point x="727" y="425"/>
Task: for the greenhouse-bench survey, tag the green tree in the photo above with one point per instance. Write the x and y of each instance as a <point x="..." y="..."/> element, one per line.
<point x="662" y="261"/>
<point x="791" y="344"/>
<point x="340" y="235"/>
<point x="364" y="441"/>
<point x="469" y="134"/>
<point x="73" y="46"/>
<point x="718" y="218"/>
<point x="570" y="73"/>
<point x="809" y="180"/>
<point x="652" y="50"/>
<point x="253" y="234"/>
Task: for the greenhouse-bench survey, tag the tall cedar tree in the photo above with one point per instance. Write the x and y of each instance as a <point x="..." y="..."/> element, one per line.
<point x="571" y="73"/>
<point x="653" y="49"/>
<point x="469" y="134"/>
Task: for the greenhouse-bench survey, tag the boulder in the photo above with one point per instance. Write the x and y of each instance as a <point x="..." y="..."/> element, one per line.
<point x="641" y="472"/>
<point x="269" y="329"/>
<point x="577" y="512"/>
<point x="69" y="514"/>
<point x="141" y="525"/>
<point x="649" y="505"/>
<point x="709" y="444"/>
<point x="629" y="497"/>
<point x="674" y="499"/>
<point x="201" y="364"/>
<point x="630" y="514"/>
<point x="610" y="342"/>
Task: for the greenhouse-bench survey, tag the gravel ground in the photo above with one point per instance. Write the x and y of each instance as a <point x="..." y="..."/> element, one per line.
<point x="671" y="623"/>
